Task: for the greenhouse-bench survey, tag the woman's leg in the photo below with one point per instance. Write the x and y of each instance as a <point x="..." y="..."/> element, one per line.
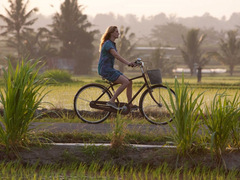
<point x="129" y="91"/>
<point x="125" y="83"/>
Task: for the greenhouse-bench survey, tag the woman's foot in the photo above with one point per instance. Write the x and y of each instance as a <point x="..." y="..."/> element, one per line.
<point x="133" y="107"/>
<point x="112" y="104"/>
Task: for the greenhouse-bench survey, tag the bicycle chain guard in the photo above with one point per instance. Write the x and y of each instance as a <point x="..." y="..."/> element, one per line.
<point x="102" y="105"/>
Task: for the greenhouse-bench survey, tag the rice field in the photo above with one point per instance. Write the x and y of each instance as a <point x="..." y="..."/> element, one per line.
<point x="61" y="96"/>
<point x="108" y="171"/>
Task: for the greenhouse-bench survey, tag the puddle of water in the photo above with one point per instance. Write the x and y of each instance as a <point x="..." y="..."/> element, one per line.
<point x="108" y="144"/>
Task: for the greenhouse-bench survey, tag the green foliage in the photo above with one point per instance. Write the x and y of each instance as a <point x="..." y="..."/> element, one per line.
<point x="59" y="76"/>
<point x="168" y="34"/>
<point x="119" y="133"/>
<point x="38" y="44"/>
<point x="70" y="27"/>
<point x="107" y="170"/>
<point x="220" y="119"/>
<point x="134" y="136"/>
<point x="21" y="97"/>
<point x="235" y="103"/>
<point x="93" y="151"/>
<point x="74" y="137"/>
<point x="191" y="51"/>
<point x="69" y="157"/>
<point x="229" y="51"/>
<point x="185" y="115"/>
<point x="18" y="21"/>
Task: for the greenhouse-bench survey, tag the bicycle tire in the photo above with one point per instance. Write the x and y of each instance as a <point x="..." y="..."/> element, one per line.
<point x="151" y="110"/>
<point x="82" y="99"/>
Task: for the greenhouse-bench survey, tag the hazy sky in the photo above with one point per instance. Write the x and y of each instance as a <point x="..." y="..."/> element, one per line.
<point x="180" y="8"/>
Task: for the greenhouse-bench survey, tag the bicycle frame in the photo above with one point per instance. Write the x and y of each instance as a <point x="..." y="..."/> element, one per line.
<point x="111" y="86"/>
<point x="137" y="93"/>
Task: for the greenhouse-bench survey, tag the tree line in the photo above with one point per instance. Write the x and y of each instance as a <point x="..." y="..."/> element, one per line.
<point x="73" y="37"/>
<point x="69" y="28"/>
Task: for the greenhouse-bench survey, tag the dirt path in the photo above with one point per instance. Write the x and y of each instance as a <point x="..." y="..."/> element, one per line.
<point x="84" y="127"/>
<point x="96" y="128"/>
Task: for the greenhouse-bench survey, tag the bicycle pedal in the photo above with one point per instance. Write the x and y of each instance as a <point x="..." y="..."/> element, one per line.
<point x="134" y="109"/>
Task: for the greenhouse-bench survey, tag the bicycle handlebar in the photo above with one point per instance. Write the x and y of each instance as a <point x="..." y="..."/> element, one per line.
<point x="139" y="62"/>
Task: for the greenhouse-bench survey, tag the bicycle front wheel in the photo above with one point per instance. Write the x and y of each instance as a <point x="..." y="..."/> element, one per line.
<point x="153" y="107"/>
<point x="82" y="99"/>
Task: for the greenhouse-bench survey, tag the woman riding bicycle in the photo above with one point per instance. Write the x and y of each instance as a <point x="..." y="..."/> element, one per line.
<point x="108" y="53"/>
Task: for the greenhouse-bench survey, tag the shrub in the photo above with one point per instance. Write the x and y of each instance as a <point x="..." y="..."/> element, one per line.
<point x="185" y="115"/>
<point x="235" y="103"/>
<point x="220" y="119"/>
<point x="118" y="140"/>
<point x="59" y="76"/>
<point x="21" y="97"/>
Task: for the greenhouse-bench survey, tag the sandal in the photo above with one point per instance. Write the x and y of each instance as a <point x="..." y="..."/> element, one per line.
<point x="134" y="108"/>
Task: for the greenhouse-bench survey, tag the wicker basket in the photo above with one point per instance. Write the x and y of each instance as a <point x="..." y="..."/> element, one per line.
<point x="154" y="76"/>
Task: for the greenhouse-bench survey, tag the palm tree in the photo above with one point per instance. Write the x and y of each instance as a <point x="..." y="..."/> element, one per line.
<point x="125" y="45"/>
<point x="191" y="52"/>
<point x="17" y="20"/>
<point x="38" y="44"/>
<point x="229" y="51"/>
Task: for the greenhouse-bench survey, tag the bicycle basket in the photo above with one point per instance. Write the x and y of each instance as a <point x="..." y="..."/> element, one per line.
<point x="154" y="76"/>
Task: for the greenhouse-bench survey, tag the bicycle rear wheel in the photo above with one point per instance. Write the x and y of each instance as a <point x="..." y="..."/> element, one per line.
<point x="82" y="99"/>
<point x="156" y="112"/>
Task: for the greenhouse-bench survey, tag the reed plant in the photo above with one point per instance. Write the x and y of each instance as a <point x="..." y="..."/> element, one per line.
<point x="235" y="103"/>
<point x="118" y="140"/>
<point x="185" y="110"/>
<point x="21" y="96"/>
<point x="220" y="119"/>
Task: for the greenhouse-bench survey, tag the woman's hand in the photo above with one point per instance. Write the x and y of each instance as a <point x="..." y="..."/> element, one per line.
<point x="132" y="64"/>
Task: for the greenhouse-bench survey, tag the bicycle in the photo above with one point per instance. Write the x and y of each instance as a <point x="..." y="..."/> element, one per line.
<point x="90" y="100"/>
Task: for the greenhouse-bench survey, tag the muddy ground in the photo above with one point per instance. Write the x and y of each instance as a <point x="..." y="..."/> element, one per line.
<point x="141" y="157"/>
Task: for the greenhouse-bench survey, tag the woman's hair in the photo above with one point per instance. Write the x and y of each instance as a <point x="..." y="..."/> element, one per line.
<point x="107" y="35"/>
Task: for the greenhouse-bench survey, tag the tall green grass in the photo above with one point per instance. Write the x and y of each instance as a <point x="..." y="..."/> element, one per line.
<point x="185" y="114"/>
<point x="220" y="119"/>
<point x="235" y="103"/>
<point x="109" y="171"/>
<point x="118" y="140"/>
<point x="21" y="97"/>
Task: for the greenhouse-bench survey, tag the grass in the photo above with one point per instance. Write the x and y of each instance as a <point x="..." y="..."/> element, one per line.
<point x="61" y="95"/>
<point x="185" y="110"/>
<point x="63" y="117"/>
<point x="118" y="134"/>
<point x="134" y="137"/>
<point x="221" y="119"/>
<point x="109" y="171"/>
<point x="21" y="97"/>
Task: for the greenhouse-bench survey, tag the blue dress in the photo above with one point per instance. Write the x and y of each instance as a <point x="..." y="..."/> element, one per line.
<point x="106" y="62"/>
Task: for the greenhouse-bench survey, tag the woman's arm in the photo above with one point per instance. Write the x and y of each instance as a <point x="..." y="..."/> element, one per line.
<point x="120" y="58"/>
